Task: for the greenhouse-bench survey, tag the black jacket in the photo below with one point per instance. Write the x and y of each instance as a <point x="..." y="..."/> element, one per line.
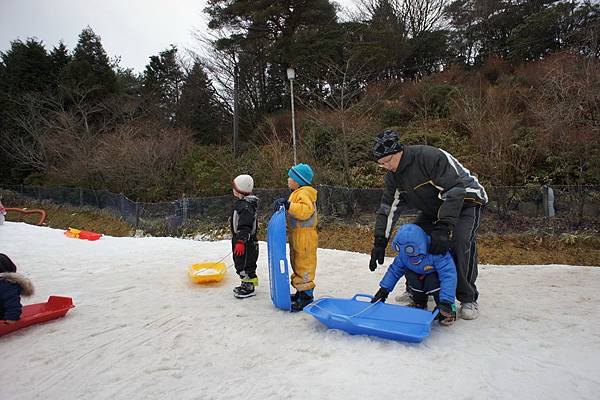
<point x="243" y="219"/>
<point x="432" y="181"/>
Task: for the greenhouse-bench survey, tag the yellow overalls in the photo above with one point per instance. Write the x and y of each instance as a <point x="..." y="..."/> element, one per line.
<point x="303" y="237"/>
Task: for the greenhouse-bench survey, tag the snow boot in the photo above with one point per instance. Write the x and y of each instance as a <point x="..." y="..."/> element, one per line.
<point x="304" y="298"/>
<point x="413" y="304"/>
<point x="294" y="297"/>
<point x="246" y="289"/>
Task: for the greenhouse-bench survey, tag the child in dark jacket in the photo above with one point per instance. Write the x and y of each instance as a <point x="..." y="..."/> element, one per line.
<point x="426" y="274"/>
<point x="12" y="287"/>
<point x="244" y="242"/>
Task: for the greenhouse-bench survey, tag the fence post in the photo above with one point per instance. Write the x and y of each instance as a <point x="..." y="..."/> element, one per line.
<point x="122" y="205"/>
<point x="548" y="201"/>
<point x="184" y="205"/>
<point x="80" y="197"/>
<point x="320" y="200"/>
<point x="137" y="214"/>
<point x="582" y="193"/>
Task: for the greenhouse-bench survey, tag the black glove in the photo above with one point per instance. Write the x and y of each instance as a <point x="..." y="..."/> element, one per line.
<point x="440" y="239"/>
<point x="447" y="314"/>
<point x="378" y="252"/>
<point x="381" y="295"/>
<point x="281" y="202"/>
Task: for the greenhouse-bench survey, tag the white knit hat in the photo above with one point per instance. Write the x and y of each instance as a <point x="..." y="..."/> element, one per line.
<point x="243" y="184"/>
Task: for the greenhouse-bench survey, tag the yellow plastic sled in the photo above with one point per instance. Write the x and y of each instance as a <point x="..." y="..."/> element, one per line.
<point x="207" y="272"/>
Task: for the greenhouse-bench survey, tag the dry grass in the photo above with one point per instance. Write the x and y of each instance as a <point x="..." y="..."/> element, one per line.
<point x="63" y="217"/>
<point x="570" y="249"/>
<point x="573" y="249"/>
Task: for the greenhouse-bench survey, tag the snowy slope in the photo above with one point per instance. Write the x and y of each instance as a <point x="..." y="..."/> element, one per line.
<point x="141" y="330"/>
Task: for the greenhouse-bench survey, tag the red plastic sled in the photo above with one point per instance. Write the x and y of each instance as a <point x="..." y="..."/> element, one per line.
<point x="79" y="234"/>
<point x="55" y="307"/>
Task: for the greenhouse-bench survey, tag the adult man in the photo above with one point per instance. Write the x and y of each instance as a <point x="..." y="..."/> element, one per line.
<point x="449" y="199"/>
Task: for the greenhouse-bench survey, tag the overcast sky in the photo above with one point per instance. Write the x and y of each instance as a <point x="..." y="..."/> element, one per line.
<point x="131" y="29"/>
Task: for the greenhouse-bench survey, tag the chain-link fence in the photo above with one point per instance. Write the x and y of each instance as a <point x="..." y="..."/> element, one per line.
<point x="511" y="207"/>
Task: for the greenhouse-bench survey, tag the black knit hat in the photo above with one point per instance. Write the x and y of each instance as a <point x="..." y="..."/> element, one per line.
<point x="386" y="143"/>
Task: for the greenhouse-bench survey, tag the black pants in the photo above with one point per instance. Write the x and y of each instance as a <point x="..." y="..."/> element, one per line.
<point x="245" y="265"/>
<point x="463" y="247"/>
<point x="422" y="286"/>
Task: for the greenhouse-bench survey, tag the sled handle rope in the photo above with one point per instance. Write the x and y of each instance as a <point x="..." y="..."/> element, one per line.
<point x="316" y="305"/>
<point x="225" y="256"/>
<point x="33" y="211"/>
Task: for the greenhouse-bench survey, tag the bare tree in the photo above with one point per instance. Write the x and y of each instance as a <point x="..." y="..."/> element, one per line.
<point x="422" y="15"/>
<point x="492" y="118"/>
<point x="418" y="15"/>
<point x="44" y="117"/>
<point x="349" y="103"/>
<point x="567" y="107"/>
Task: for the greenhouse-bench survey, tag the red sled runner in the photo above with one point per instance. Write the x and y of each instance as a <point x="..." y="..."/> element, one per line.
<point x="55" y="307"/>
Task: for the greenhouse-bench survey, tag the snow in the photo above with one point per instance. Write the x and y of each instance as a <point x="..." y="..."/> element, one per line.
<point x="142" y="330"/>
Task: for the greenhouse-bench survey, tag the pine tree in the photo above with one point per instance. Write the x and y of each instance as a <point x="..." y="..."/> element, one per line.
<point x="266" y="37"/>
<point x="24" y="69"/>
<point x="522" y="30"/>
<point x="90" y="68"/>
<point x="60" y="58"/>
<point x="199" y="107"/>
<point x="163" y="79"/>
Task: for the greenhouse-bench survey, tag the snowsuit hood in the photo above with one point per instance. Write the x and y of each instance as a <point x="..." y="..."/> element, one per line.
<point x="308" y="191"/>
<point x="16" y="278"/>
<point x="410" y="240"/>
<point x="253" y="200"/>
<point x="12" y="287"/>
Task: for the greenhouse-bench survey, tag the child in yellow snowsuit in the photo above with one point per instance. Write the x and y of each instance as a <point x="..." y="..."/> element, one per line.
<point x="302" y="221"/>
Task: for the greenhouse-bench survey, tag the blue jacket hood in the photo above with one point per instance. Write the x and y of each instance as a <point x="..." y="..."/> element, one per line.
<point x="411" y="240"/>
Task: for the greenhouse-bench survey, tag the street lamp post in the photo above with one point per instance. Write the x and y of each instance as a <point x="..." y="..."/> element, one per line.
<point x="291" y="75"/>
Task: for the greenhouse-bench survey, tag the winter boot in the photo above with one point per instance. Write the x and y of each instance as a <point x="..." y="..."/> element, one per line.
<point x="246" y="289"/>
<point x="304" y="298"/>
<point x="294" y="297"/>
<point x="414" y="304"/>
<point x="447" y="315"/>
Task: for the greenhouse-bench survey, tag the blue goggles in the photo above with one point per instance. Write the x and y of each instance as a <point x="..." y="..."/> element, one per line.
<point x="408" y="249"/>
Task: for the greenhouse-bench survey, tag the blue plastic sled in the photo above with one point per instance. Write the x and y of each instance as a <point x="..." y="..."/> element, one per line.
<point x="278" y="264"/>
<point x="387" y="321"/>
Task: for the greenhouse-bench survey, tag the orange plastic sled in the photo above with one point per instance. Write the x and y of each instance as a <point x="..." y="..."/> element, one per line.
<point x="79" y="234"/>
<point x="55" y="307"/>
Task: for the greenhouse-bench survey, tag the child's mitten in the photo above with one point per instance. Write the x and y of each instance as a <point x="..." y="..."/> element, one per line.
<point x="280" y="202"/>
<point x="239" y="249"/>
<point x="381" y="295"/>
<point x="447" y="313"/>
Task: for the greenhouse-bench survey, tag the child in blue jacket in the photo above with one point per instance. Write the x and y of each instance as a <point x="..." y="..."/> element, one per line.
<point x="12" y="286"/>
<point x="426" y="274"/>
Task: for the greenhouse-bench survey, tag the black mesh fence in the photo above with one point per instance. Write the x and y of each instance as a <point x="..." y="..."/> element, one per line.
<point x="510" y="207"/>
<point x="571" y="202"/>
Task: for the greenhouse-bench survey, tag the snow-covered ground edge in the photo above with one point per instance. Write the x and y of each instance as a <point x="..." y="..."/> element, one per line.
<point x="142" y="330"/>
